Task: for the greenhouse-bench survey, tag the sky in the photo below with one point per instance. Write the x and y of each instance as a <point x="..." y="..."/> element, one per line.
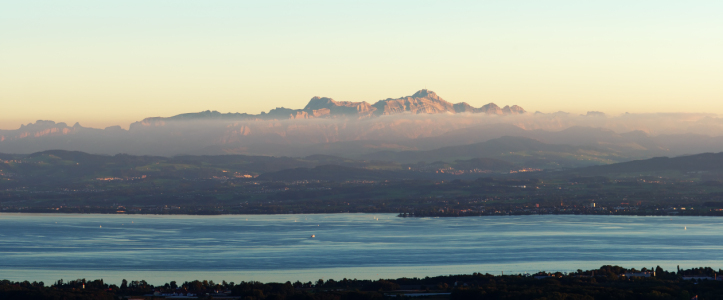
<point x="104" y="63"/>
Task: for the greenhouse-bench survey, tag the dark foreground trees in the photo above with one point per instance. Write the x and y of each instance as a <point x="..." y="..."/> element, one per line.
<point x="605" y="283"/>
<point x="38" y="291"/>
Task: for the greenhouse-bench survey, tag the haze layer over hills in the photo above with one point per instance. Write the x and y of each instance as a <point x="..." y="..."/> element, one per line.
<point x="416" y="124"/>
<point x="414" y="154"/>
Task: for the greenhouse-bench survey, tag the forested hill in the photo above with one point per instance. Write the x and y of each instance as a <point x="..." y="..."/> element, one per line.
<point x="705" y="162"/>
<point x="520" y="150"/>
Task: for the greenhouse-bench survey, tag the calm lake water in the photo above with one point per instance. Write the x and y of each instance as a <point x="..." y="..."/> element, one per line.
<point x="159" y="249"/>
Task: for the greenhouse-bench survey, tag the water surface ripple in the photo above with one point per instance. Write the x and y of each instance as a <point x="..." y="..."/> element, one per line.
<point x="280" y="247"/>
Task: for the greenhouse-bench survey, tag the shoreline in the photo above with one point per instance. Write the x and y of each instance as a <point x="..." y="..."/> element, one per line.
<point x="398" y="214"/>
<point x="336" y="273"/>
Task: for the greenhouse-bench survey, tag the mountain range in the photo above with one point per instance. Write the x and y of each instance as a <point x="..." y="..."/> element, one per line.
<point x="421" y="102"/>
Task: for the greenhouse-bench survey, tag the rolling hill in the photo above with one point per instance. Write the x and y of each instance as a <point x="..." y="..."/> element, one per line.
<point x="704" y="162"/>
<point x="519" y="150"/>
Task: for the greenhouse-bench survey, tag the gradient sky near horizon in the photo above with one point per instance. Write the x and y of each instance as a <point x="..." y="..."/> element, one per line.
<point x="104" y="63"/>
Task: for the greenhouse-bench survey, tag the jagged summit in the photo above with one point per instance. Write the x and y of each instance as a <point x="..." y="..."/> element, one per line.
<point x="319" y="102"/>
<point x="425" y="93"/>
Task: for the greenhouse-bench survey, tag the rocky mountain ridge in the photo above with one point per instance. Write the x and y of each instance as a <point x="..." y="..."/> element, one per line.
<point x="421" y="102"/>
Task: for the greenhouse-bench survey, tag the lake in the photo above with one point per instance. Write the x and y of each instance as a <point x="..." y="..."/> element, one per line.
<point x="267" y="248"/>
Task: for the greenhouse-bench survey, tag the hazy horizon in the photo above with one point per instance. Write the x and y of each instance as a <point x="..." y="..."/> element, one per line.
<point x="104" y="64"/>
<point x="685" y="117"/>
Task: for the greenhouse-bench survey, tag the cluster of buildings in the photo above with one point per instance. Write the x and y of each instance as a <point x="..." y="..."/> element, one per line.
<point x="525" y="170"/>
<point x="121" y="179"/>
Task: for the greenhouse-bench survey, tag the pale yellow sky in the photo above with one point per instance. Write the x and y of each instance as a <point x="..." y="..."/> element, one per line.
<point x="113" y="63"/>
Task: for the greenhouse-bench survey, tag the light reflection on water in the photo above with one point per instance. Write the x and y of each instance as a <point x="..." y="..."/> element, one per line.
<point x="280" y="248"/>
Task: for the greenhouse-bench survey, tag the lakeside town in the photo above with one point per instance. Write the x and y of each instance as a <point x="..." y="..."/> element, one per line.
<point x="587" y="209"/>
